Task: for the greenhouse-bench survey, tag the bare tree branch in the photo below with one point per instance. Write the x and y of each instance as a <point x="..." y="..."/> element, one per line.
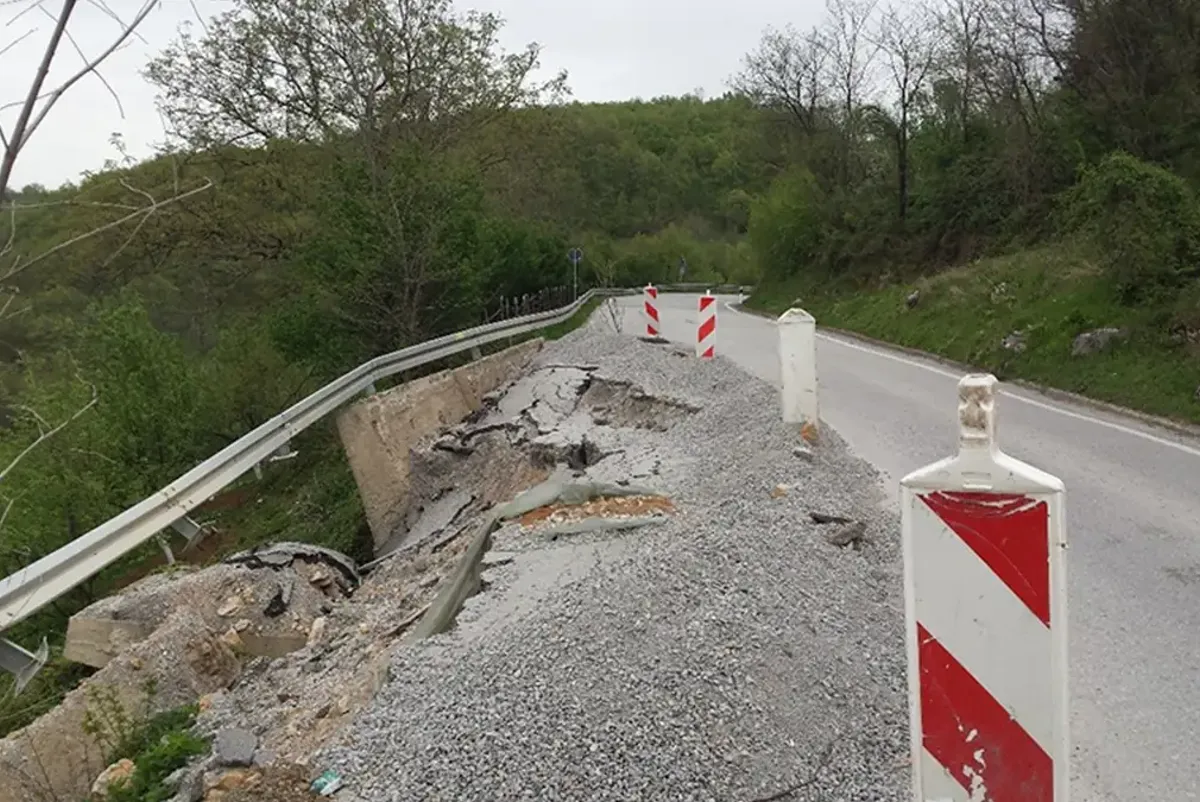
<point x="46" y="431"/>
<point x="31" y="116"/>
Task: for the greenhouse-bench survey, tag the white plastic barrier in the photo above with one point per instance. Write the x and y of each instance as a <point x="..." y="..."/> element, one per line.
<point x="985" y="595"/>
<point x="798" y="370"/>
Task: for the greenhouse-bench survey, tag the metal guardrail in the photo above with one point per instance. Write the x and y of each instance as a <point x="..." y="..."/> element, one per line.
<point x="41" y="582"/>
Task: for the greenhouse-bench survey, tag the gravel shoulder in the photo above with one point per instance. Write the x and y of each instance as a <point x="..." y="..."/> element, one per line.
<point x="728" y="653"/>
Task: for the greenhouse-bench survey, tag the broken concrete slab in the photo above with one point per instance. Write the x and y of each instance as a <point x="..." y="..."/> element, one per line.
<point x="235" y="746"/>
<point x="560" y="490"/>
<point x="431" y="521"/>
<point x="378" y="433"/>
<point x="282" y="555"/>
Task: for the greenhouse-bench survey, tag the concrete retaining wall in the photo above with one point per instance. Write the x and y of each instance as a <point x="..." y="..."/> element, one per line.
<point x="379" y="432"/>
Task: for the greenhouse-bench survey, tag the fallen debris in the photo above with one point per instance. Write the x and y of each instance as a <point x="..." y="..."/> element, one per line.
<point x="851" y="532"/>
<point x="826" y="518"/>
<point x="235" y="746"/>
<point x="602" y="507"/>
<point x="282" y="555"/>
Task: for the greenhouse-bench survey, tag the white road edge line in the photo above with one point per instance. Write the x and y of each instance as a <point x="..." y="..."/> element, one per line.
<point x="1162" y="441"/>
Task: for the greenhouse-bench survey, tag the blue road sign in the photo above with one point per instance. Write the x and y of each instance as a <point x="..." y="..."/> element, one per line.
<point x="576" y="256"/>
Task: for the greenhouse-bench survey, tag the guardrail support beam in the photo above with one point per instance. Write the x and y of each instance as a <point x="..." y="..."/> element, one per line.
<point x="191" y="531"/>
<point x="23" y="665"/>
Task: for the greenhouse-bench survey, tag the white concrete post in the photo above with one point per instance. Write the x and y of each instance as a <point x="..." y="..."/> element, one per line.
<point x="798" y="368"/>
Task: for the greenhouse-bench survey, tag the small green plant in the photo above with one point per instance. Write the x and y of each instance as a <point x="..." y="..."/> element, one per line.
<point x="158" y="748"/>
<point x="158" y="744"/>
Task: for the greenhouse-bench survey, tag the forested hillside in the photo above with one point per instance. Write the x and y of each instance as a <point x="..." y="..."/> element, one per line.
<point x="1059" y="135"/>
<point x="349" y="178"/>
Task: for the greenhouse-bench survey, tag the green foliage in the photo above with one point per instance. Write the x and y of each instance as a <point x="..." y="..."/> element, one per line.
<point x="158" y="745"/>
<point x="788" y="226"/>
<point x="1143" y="222"/>
<point x="1050" y="295"/>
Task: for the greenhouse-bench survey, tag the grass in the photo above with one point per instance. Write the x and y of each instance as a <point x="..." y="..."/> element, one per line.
<point x="1051" y="295"/>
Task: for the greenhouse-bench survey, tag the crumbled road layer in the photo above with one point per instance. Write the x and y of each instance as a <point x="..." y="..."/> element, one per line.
<point x="729" y="653"/>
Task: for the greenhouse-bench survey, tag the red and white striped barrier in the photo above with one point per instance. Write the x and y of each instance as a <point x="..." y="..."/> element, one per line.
<point x="706" y="333"/>
<point x="985" y="595"/>
<point x="650" y="305"/>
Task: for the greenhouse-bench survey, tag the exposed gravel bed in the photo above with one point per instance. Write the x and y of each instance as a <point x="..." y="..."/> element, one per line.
<point x="729" y="653"/>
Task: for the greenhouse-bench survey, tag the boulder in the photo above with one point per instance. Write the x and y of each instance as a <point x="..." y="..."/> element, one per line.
<point x="1095" y="341"/>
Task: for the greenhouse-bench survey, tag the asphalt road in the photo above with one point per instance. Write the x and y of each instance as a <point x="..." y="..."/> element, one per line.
<point x="1133" y="520"/>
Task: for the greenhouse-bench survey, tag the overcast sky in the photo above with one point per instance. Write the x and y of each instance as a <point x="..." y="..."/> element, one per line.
<point x="612" y="50"/>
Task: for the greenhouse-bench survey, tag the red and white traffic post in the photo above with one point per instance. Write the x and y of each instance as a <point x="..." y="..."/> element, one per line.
<point x="650" y="306"/>
<point x="985" y="595"/>
<point x="706" y="333"/>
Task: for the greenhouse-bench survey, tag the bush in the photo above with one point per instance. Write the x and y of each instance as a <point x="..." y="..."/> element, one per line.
<point x="1143" y="222"/>
<point x="787" y="226"/>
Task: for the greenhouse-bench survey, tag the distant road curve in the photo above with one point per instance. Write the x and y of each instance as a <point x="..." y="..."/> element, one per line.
<point x="1133" y="516"/>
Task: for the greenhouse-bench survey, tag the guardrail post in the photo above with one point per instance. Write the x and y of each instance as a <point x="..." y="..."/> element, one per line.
<point x="191" y="531"/>
<point x="21" y="664"/>
<point x="798" y="371"/>
<point x="985" y="543"/>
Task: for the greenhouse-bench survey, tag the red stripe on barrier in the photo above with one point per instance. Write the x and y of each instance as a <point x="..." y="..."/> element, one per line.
<point x="707" y="328"/>
<point x="653" y="291"/>
<point x="973" y="737"/>
<point x="709" y="353"/>
<point x="652" y="311"/>
<point x="706" y="301"/>
<point x="1010" y="533"/>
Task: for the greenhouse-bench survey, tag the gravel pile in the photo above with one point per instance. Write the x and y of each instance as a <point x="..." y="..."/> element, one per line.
<point x="731" y="653"/>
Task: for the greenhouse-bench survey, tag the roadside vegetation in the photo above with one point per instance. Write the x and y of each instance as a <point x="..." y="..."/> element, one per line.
<point x="1027" y="168"/>
<point x="1030" y="179"/>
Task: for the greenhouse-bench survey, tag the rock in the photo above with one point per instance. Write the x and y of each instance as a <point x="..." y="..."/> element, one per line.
<point x="118" y="772"/>
<point x="1095" y="341"/>
<point x="135" y="663"/>
<point x="913" y="299"/>
<point x="320" y="579"/>
<point x="317" y="630"/>
<point x="803" y="452"/>
<point x="264" y="757"/>
<point x="175" y="779"/>
<point x="235" y="746"/>
<point x="235" y="780"/>
<point x="828" y="518"/>
<point x="279" y="602"/>
<point x="242" y="624"/>
<point x="232" y="639"/>
<point x="1014" y="342"/>
<point x="191" y="785"/>
<point x="229" y="606"/>
<point x="779" y="491"/>
<point x="847" y="534"/>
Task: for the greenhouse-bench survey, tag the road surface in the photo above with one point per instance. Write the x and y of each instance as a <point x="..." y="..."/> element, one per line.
<point x="1133" y="519"/>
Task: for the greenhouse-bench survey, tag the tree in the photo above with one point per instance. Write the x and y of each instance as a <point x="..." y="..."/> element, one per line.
<point x="32" y="113"/>
<point x="393" y="91"/>
<point x="910" y="49"/>
<point x="786" y="73"/>
<point x="325" y="70"/>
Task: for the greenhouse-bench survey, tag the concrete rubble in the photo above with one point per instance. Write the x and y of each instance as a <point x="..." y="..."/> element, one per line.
<point x="573" y="509"/>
